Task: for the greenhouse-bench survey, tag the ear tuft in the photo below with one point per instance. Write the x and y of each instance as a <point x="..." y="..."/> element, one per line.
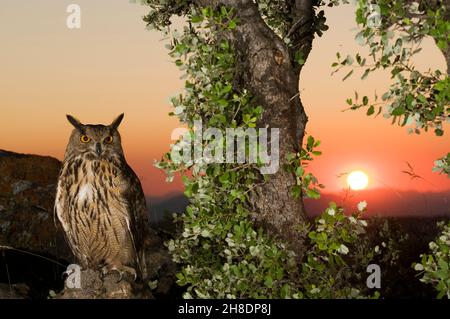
<point x="75" y="122"/>
<point x="115" y="124"/>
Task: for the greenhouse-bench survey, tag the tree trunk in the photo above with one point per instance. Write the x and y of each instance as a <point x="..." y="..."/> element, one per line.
<point x="267" y="69"/>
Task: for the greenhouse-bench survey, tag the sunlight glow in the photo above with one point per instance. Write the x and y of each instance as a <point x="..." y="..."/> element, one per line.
<point x="357" y="180"/>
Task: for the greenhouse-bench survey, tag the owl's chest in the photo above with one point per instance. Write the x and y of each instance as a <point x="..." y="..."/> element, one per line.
<point x="98" y="183"/>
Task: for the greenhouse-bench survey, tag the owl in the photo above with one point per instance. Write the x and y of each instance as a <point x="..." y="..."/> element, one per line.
<point x="99" y="201"/>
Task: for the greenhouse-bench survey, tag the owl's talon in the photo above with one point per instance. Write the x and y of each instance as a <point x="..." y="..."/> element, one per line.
<point x="120" y="270"/>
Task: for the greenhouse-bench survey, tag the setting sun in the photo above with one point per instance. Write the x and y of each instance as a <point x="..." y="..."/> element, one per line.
<point x="357" y="180"/>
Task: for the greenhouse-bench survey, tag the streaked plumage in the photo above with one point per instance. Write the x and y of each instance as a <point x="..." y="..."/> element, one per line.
<point x="99" y="200"/>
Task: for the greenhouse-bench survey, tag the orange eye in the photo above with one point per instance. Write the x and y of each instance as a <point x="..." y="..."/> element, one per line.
<point x="85" y="139"/>
<point x="108" y="139"/>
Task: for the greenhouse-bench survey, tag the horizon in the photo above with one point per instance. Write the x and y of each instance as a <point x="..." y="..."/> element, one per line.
<point x="380" y="202"/>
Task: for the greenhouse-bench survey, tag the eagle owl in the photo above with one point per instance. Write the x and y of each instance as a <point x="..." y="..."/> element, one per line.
<point x="100" y="202"/>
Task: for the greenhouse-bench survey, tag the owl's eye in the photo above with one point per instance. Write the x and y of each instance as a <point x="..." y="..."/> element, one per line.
<point x="108" y="139"/>
<point x="85" y="139"/>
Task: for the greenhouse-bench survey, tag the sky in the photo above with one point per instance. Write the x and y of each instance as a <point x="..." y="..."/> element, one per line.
<point x="112" y="64"/>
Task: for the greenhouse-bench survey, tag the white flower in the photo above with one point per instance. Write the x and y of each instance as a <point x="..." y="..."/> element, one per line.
<point x="254" y="250"/>
<point x="354" y="293"/>
<point x="178" y="110"/>
<point x="230" y="242"/>
<point x="363" y="222"/>
<point x="315" y="290"/>
<point x="171" y="245"/>
<point x="331" y="211"/>
<point x="377" y="248"/>
<point x="352" y="219"/>
<point x="187" y="295"/>
<point x="343" y="249"/>
<point x="196" y="230"/>
<point x="418" y="267"/>
<point x="362" y="205"/>
<point x="205" y="233"/>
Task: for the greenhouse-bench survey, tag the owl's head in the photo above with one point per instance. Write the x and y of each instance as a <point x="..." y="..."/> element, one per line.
<point x="95" y="141"/>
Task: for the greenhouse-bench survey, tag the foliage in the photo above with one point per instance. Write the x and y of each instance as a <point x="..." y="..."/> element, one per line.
<point x="220" y="250"/>
<point x="335" y="263"/>
<point x="306" y="183"/>
<point x="278" y="16"/>
<point x="434" y="267"/>
<point x="251" y="265"/>
<point x="442" y="165"/>
<point x="393" y="31"/>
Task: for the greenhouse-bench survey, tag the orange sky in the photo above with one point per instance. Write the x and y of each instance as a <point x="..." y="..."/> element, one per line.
<point x="113" y="65"/>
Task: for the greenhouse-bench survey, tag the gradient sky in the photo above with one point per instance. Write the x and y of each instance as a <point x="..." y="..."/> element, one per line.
<point x="113" y="65"/>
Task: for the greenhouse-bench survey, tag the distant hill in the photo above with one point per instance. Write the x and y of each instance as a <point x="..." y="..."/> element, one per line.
<point x="382" y="202"/>
<point x="169" y="204"/>
<point x="385" y="202"/>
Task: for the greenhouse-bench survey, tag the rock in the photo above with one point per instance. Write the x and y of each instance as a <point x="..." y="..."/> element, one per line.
<point x="94" y="286"/>
<point x="14" y="291"/>
<point x="27" y="194"/>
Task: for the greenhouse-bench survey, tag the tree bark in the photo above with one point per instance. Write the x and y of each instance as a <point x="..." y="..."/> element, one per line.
<point x="267" y="69"/>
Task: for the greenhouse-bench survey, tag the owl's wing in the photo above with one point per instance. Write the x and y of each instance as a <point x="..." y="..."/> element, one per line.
<point x="62" y="211"/>
<point x="138" y="215"/>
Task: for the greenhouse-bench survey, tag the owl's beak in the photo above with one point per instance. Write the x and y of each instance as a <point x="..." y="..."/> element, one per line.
<point x="98" y="149"/>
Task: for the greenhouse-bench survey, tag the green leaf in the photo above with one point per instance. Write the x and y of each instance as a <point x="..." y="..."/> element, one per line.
<point x="370" y="110"/>
<point x="409" y="101"/>
<point x="299" y="171"/>
<point x="313" y="193"/>
<point x="296" y="191"/>
<point x="348" y="75"/>
<point x="365" y="100"/>
<point x="268" y="281"/>
<point x="285" y="291"/>
<point x="398" y="111"/>
<point x="196" y="19"/>
<point x="422" y="98"/>
<point x="310" y="143"/>
<point x="365" y="74"/>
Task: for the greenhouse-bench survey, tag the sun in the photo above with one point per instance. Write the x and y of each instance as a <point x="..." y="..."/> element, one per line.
<point x="357" y="180"/>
